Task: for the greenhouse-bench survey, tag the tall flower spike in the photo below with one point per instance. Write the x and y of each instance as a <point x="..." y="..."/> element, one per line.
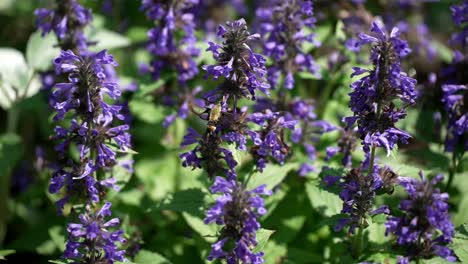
<point x="237" y="210"/>
<point x="91" y="128"/>
<point x="455" y="88"/>
<point x="460" y="17"/>
<point x="284" y="25"/>
<point x="373" y="96"/>
<point x="170" y="19"/>
<point x="67" y="20"/>
<point x="92" y="241"/>
<point x="455" y="99"/>
<point x="243" y="70"/>
<point x="358" y="192"/>
<point x="425" y="227"/>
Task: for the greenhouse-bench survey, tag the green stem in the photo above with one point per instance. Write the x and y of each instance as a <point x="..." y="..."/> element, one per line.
<point x="451" y="171"/>
<point x="249" y="177"/>
<point x="12" y="119"/>
<point x="325" y="96"/>
<point x="358" y="242"/>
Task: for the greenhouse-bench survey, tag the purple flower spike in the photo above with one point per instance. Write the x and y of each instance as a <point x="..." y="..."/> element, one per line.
<point x="92" y="237"/>
<point x="373" y="95"/>
<point x="168" y="49"/>
<point x="358" y="192"/>
<point x="237" y="210"/>
<point x="243" y="70"/>
<point x="425" y="227"/>
<point x="284" y="25"/>
<point x="67" y="20"/>
<point x="91" y="127"/>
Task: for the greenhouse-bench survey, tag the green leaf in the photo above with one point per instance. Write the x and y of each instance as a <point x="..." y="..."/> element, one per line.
<point x="379" y="219"/>
<point x="107" y="39"/>
<point x="40" y="51"/>
<point x="158" y="175"/>
<point x="11" y="151"/>
<point x="58" y="261"/>
<point x="6" y="252"/>
<point x="274" y="252"/>
<point x="462" y="214"/>
<point x="308" y="76"/>
<point x="148" y="257"/>
<point x="460" y="243"/>
<point x="146" y="89"/>
<point x="289" y="216"/>
<point x="377" y="233"/>
<point x="325" y="202"/>
<point x="381" y="258"/>
<point x="57" y="236"/>
<point x="263" y="235"/>
<point x="191" y="201"/>
<point x="339" y="31"/>
<point x="272" y="175"/>
<point x="147" y="111"/>
<point x="300" y="256"/>
<point x="436" y="260"/>
<point x="208" y="232"/>
<point x="445" y="53"/>
<point x="17" y="79"/>
<point x="121" y="175"/>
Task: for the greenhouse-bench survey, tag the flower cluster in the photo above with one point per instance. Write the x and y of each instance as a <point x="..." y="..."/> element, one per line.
<point x="460" y="17"/>
<point x="372" y="99"/>
<point x="269" y="141"/>
<point x="91" y="128"/>
<point x="92" y="241"/>
<point x="425" y="227"/>
<point x="300" y="118"/>
<point x="164" y="43"/>
<point x="455" y="99"/>
<point x="243" y="70"/>
<point x="358" y="192"/>
<point x="346" y="145"/>
<point x="455" y="87"/>
<point x="208" y="154"/>
<point x="285" y="25"/>
<point x="67" y="20"/>
<point x="238" y="211"/>
<point x="210" y="13"/>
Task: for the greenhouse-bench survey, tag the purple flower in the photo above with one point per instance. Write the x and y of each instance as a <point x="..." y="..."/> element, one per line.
<point x="460" y="17"/>
<point x="67" y="20"/>
<point x="358" y="192"/>
<point x="286" y="27"/>
<point x="307" y="129"/>
<point x="168" y="49"/>
<point x="91" y="128"/>
<point x="208" y="154"/>
<point x="454" y="99"/>
<point x="269" y="141"/>
<point x="243" y="70"/>
<point x="91" y="240"/>
<point x="346" y="146"/>
<point x="374" y="95"/>
<point x="237" y="210"/>
<point x="425" y="227"/>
